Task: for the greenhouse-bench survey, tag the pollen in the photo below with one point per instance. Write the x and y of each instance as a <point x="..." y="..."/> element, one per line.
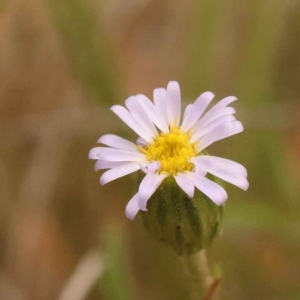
<point x="173" y="150"/>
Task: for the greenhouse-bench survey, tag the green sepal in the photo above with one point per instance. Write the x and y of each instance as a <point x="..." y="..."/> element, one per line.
<point x="187" y="225"/>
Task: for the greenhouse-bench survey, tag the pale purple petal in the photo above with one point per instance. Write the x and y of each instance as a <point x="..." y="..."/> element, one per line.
<point x="185" y="183"/>
<point x="118" y="142"/>
<point x="127" y="118"/>
<point x="93" y="153"/>
<point x="173" y="103"/>
<point x="199" y="106"/>
<point x="144" y="169"/>
<point x="137" y="111"/>
<point x="160" y="98"/>
<point x="208" y="118"/>
<point x="148" y="186"/>
<point x="209" y="188"/>
<point x="132" y="207"/>
<point x="225" y="163"/>
<point x="153" y="113"/>
<point x="111" y="154"/>
<point x="103" y="164"/>
<point x="224" y="102"/>
<point x="140" y="141"/>
<point x="210" y="126"/>
<point x="220" y="132"/>
<point x="217" y="108"/>
<point x="200" y="171"/>
<point x="221" y="171"/>
<point x="118" y="172"/>
<point x="187" y="110"/>
<point x="151" y="167"/>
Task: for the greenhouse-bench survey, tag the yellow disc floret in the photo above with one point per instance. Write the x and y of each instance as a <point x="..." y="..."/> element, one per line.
<point x="173" y="150"/>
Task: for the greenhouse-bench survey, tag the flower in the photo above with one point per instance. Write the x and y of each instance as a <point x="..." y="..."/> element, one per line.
<point x="165" y="147"/>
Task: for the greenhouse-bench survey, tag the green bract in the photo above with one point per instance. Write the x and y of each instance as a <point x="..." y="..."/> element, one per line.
<point x="187" y="225"/>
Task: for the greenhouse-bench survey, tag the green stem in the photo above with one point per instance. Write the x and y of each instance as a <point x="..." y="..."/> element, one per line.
<point x="198" y="275"/>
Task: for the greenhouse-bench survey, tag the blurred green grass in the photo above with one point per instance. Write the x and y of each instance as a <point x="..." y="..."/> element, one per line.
<point x="90" y="52"/>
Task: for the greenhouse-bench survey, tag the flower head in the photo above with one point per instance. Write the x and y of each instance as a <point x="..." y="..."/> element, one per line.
<point x="167" y="147"/>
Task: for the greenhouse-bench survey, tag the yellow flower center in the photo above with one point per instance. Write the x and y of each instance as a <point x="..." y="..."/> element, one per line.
<point x="173" y="150"/>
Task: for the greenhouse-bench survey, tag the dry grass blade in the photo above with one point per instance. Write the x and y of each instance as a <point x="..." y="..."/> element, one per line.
<point x="86" y="273"/>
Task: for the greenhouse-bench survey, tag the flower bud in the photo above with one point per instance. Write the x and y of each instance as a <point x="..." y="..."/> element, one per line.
<point x="187" y="225"/>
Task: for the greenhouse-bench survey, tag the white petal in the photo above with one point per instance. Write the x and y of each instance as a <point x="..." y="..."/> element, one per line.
<point x="103" y="164"/>
<point x="226" y="163"/>
<point x="160" y="98"/>
<point x="210" y="126"/>
<point x="219" y="170"/>
<point x="199" y="106"/>
<point x="93" y="154"/>
<point x="173" y="103"/>
<point x="140" y="141"/>
<point x="118" y="142"/>
<point x="134" y="106"/>
<point x="148" y="186"/>
<point x="127" y="118"/>
<point x="153" y="114"/>
<point x="220" y="132"/>
<point x="118" y="172"/>
<point x="132" y="207"/>
<point x="185" y="183"/>
<point x="209" y="188"/>
<point x="111" y="154"/>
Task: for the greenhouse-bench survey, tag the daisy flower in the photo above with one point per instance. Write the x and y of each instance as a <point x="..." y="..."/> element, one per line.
<point x="168" y="147"/>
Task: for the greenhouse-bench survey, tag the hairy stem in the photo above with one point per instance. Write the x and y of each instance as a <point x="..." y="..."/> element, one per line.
<point x="198" y="275"/>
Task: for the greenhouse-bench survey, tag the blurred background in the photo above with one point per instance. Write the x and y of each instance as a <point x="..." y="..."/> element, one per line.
<point x="63" y="64"/>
